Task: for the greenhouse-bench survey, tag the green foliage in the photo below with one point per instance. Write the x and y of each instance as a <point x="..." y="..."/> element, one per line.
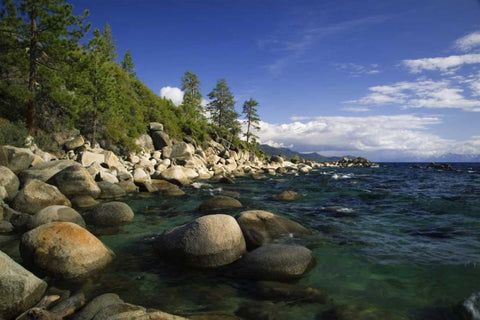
<point x="38" y="37"/>
<point x="12" y="133"/>
<point x="54" y="83"/>
<point x="253" y="120"/>
<point x="222" y="109"/>
<point x="128" y="65"/>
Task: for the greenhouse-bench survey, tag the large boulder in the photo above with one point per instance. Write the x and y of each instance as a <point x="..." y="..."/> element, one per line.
<point x="93" y="307"/>
<point x="16" y="159"/>
<point x="64" y="249"/>
<point x="276" y="262"/>
<point x="36" y="195"/>
<point x="176" y="175"/>
<point x="160" y="140"/>
<point x="208" y="241"/>
<point x="74" y="143"/>
<point x="75" y="181"/>
<point x="145" y="142"/>
<point x="9" y="181"/>
<point x="219" y="203"/>
<point x="110" y="190"/>
<point x="110" y="214"/>
<point x="19" y="288"/>
<point x="155" y="126"/>
<point x="182" y="151"/>
<point x="45" y="170"/>
<point x="166" y="188"/>
<point x="260" y="227"/>
<point x="55" y="213"/>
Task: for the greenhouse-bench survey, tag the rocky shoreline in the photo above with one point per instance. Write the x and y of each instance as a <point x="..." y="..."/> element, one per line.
<point x="51" y="202"/>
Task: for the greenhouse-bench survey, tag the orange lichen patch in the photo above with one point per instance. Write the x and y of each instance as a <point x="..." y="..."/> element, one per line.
<point x="68" y="232"/>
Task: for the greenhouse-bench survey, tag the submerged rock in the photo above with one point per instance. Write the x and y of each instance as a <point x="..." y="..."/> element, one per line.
<point x="276" y="262"/>
<point x="260" y="227"/>
<point x="471" y="306"/>
<point x="219" y="203"/>
<point x="55" y="213"/>
<point x="19" y="288"/>
<point x="280" y="291"/>
<point x="36" y="195"/>
<point x="97" y="304"/>
<point x="110" y="214"/>
<point x="64" y="249"/>
<point x="208" y="241"/>
<point x="287" y="196"/>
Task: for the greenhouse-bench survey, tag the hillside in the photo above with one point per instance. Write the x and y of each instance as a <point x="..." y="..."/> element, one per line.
<point x="287" y="153"/>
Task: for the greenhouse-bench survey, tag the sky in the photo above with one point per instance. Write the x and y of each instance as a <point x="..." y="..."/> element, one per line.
<point x="391" y="80"/>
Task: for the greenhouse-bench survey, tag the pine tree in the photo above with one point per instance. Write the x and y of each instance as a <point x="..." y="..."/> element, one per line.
<point x="253" y="120"/>
<point x="47" y="32"/>
<point x="192" y="97"/>
<point x="222" y="108"/>
<point x="110" y="47"/>
<point x="128" y="65"/>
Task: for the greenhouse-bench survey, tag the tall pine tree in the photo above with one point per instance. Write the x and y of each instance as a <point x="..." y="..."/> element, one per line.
<point x="45" y="33"/>
<point x="128" y="65"/>
<point x="222" y="108"/>
<point x="192" y="98"/>
<point x="251" y="116"/>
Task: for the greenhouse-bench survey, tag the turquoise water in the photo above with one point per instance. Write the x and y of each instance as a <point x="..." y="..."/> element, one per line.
<point x="395" y="242"/>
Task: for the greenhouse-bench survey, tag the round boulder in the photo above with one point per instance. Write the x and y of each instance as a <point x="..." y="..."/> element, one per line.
<point x="84" y="202"/>
<point x="36" y="195"/>
<point x="260" y="227"/>
<point x="110" y="214"/>
<point x="177" y="175"/>
<point x="55" y="213"/>
<point x="75" y="181"/>
<point x="287" y="196"/>
<point x="16" y="159"/>
<point x="276" y="262"/>
<point x="64" y="249"/>
<point x="9" y="181"/>
<point x="19" y="290"/>
<point x="219" y="203"/>
<point x="208" y="241"/>
<point x="111" y="190"/>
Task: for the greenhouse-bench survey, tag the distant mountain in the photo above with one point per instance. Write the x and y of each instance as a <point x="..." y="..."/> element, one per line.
<point x="288" y="154"/>
<point x="453" y="157"/>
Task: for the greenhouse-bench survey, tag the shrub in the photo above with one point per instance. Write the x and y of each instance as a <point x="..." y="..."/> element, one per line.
<point x="13" y="134"/>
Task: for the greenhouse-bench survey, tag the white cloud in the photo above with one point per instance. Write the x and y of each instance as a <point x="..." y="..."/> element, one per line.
<point x="173" y="93"/>
<point x="395" y="137"/>
<point x="357" y="70"/>
<point x="356" y="109"/>
<point x="468" y="42"/>
<point x="446" y="93"/>
<point x="443" y="64"/>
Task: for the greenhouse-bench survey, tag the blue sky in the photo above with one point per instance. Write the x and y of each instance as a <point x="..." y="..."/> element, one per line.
<point x="390" y="79"/>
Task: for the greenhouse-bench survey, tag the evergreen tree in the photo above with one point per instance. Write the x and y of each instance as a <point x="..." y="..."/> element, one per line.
<point x="192" y="97"/>
<point x="222" y="108"/>
<point x="251" y="115"/>
<point x="98" y="87"/>
<point x="110" y="47"/>
<point x="128" y="65"/>
<point x="44" y="34"/>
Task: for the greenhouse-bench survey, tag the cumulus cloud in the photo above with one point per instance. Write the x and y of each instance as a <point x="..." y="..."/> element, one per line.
<point x="443" y="64"/>
<point x="173" y="93"/>
<point x="468" y="42"/>
<point x="446" y="93"/>
<point x="399" y="136"/>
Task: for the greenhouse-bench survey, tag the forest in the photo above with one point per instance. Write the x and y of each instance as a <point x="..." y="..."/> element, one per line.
<point x="60" y="76"/>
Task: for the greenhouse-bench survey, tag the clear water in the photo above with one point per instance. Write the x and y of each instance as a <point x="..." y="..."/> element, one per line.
<point x="395" y="242"/>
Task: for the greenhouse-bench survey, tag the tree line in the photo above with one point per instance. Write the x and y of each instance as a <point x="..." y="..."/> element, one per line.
<point x="51" y="81"/>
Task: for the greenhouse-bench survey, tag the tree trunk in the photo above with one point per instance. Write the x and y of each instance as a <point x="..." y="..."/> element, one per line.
<point x="31" y="108"/>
